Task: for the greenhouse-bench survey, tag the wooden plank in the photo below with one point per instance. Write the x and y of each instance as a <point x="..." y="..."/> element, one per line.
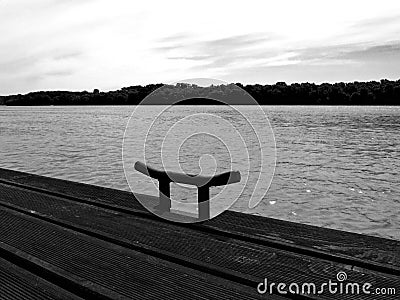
<point x="266" y="230"/>
<point x="102" y="270"/>
<point x="234" y="259"/>
<point x="17" y="283"/>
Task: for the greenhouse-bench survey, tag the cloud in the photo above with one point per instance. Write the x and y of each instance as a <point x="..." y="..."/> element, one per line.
<point x="174" y="38"/>
<point x="237" y="53"/>
<point x="357" y="52"/>
<point x="339" y="62"/>
<point x="68" y="55"/>
<point x="373" y="23"/>
<point x="191" y="57"/>
<point x="13" y="65"/>
<point x="216" y="53"/>
<point x="378" y="52"/>
<point x="234" y="42"/>
<point x="34" y="62"/>
<point x="54" y="74"/>
<point x="59" y="73"/>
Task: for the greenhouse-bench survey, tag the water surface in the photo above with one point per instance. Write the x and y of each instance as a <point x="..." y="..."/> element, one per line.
<point x="337" y="167"/>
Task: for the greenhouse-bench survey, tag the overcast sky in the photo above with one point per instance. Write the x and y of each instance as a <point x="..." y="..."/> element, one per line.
<point x="87" y="44"/>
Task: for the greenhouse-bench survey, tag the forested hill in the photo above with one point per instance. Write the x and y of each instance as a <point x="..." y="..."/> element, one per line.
<point x="384" y="92"/>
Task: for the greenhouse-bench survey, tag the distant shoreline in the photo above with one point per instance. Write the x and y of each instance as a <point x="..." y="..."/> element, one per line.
<point x="371" y="93"/>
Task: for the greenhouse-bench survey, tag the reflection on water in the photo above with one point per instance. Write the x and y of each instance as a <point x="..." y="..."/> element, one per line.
<point x="337" y="167"/>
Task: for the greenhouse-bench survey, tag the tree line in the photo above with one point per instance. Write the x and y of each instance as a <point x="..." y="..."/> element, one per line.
<point x="383" y="92"/>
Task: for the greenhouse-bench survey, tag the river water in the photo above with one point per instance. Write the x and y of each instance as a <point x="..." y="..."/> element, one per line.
<point x="336" y="167"/>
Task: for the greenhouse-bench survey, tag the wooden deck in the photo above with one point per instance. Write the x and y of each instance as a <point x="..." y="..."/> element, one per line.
<point x="67" y="240"/>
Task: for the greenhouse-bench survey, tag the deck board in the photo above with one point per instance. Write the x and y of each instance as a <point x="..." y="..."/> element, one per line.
<point x="99" y="268"/>
<point x="17" y="283"/>
<point x="232" y="251"/>
<point x="372" y="249"/>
